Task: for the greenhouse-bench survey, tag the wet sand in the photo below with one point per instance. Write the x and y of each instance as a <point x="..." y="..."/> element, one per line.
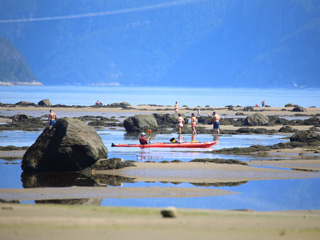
<point x="91" y="222"/>
<point x="144" y="109"/>
<point x="210" y="172"/>
<point x="80" y="222"/>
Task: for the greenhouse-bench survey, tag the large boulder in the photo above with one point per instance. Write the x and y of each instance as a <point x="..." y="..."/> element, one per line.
<point x="71" y="145"/>
<point x="25" y="104"/>
<point x="119" y="105"/>
<point x="140" y="123"/>
<point x="248" y="109"/>
<point x="256" y="119"/>
<point x="299" y="109"/>
<point x="45" y="103"/>
<point x="167" y="119"/>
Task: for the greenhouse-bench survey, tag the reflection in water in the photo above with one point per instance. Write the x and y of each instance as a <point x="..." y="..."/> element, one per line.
<point x="41" y="180"/>
<point x="86" y="201"/>
<point x="69" y="179"/>
<point x="51" y="179"/>
<point x="220" y="184"/>
<point x="216" y="138"/>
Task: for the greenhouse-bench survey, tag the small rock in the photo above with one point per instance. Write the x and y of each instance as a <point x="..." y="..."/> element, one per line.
<point x="169" y="212"/>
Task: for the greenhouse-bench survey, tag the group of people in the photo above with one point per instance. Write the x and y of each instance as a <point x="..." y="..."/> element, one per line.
<point x="215" y="120"/>
<point x="99" y="103"/>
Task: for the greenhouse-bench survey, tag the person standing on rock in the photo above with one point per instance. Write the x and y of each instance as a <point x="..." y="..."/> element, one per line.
<point x="216" y="123"/>
<point x="52" y="118"/>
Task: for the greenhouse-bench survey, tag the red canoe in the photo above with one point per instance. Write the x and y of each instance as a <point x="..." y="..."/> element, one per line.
<point x="169" y="145"/>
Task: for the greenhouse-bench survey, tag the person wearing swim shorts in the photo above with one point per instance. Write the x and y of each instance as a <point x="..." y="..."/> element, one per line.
<point x="216" y="123"/>
<point x="180" y="123"/>
<point x="52" y="118"/>
<point x="193" y="124"/>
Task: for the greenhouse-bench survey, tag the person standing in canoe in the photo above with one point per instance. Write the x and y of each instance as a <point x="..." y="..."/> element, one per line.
<point x="143" y="140"/>
<point x="193" y="124"/>
<point x="180" y="124"/>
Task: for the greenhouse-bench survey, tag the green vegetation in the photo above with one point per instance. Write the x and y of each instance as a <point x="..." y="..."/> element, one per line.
<point x="13" y="66"/>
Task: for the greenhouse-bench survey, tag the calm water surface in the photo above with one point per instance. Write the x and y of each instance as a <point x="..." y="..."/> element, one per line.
<point x="88" y="95"/>
<point x="264" y="195"/>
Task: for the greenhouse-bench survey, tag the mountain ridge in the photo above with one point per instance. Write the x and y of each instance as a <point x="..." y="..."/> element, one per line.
<point x="222" y="43"/>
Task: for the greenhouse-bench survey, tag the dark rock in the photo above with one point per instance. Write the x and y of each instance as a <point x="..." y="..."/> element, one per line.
<point x="314" y="120"/>
<point x="169" y="212"/>
<point x="248" y="109"/>
<point x="45" y="103"/>
<point x="314" y="129"/>
<point x="140" y="123"/>
<point x="119" y="105"/>
<point x="70" y="145"/>
<point x="25" y="124"/>
<point x="288" y="105"/>
<point x="20" y="117"/>
<point x="286" y="129"/>
<point x="257" y="119"/>
<point x="308" y="137"/>
<point x="109" y="164"/>
<point x="25" y="104"/>
<point x="299" y="109"/>
<point x="277" y="120"/>
<point x="245" y="130"/>
<point x="230" y="107"/>
<point x="205" y="120"/>
<point x="167" y="119"/>
<point x="219" y="161"/>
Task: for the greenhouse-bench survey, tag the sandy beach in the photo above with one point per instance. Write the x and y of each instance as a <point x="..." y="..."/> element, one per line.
<point x="83" y="222"/>
<point x="80" y="222"/>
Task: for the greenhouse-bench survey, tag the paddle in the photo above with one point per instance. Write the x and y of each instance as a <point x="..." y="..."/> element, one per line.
<point x="149" y="131"/>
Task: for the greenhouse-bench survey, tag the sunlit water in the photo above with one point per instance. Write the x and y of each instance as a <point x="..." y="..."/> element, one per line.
<point x="257" y="195"/>
<point x="88" y="95"/>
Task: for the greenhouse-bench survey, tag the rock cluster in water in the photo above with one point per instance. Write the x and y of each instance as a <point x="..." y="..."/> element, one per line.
<point x="71" y="145"/>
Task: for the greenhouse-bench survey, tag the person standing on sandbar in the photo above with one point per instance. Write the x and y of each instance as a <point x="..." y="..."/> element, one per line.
<point x="176" y="108"/>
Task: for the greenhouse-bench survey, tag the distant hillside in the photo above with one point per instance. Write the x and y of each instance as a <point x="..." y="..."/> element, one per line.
<point x="14" y="69"/>
<point x="207" y="43"/>
<point x="262" y="43"/>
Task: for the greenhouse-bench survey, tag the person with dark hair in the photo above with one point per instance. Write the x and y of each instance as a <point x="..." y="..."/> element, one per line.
<point x="52" y="118"/>
<point x="216" y="123"/>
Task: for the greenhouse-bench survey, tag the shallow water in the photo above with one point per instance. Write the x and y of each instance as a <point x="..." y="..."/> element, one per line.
<point x="263" y="195"/>
<point x="88" y="95"/>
